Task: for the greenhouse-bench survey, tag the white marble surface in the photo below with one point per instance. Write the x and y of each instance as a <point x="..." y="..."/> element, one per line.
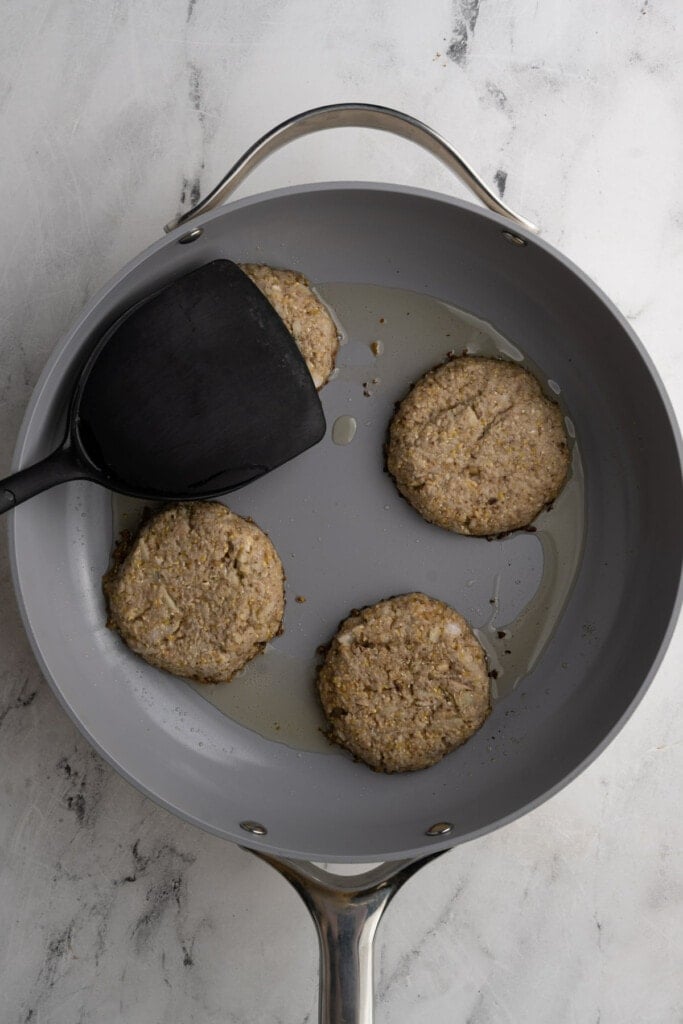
<point x="111" y="115"/>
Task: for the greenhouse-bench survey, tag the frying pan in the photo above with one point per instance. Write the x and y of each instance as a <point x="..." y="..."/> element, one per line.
<point x="347" y="539"/>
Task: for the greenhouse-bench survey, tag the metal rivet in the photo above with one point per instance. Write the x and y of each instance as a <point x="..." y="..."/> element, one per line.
<point x="191" y="236"/>
<point x="254" y="827"/>
<point x="442" y="828"/>
<point x="507" y="235"/>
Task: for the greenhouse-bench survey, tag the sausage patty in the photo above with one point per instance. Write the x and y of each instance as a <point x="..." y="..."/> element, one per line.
<point x="198" y="591"/>
<point x="303" y="314"/>
<point x="403" y="683"/>
<point x="477" y="448"/>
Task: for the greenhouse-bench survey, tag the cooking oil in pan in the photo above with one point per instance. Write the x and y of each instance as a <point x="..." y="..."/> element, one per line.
<point x="128" y="513"/>
<point x="274" y="695"/>
<point x="344" y="429"/>
<point x="513" y="648"/>
<point x="391" y="337"/>
<point x="402" y="353"/>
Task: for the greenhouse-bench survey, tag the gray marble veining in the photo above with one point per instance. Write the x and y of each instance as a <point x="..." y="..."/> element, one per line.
<point x="115" y="116"/>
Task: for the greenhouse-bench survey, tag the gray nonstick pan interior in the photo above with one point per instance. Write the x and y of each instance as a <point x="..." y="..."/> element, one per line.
<point x="347" y="539"/>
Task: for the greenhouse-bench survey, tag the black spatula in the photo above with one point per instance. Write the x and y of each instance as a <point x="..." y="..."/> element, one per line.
<point x="195" y="391"/>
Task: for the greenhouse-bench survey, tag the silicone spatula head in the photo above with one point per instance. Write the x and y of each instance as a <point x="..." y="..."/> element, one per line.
<point x="196" y="391"/>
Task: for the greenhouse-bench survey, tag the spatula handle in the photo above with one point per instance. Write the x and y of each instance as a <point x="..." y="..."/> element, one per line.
<point x="57" y="468"/>
<point x="351" y="115"/>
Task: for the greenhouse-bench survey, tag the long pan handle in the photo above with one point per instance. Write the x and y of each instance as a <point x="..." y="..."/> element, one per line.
<point x="346" y="911"/>
<point x="57" y="468"/>
<point x="351" y="115"/>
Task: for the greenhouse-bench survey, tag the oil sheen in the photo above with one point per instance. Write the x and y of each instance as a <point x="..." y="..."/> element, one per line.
<point x="392" y="337"/>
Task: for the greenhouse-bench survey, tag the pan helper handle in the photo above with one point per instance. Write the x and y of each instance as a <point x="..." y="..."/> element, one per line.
<point x="346" y="910"/>
<point x="351" y="115"/>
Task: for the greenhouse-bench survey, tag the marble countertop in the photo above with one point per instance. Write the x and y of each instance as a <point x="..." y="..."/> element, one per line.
<point x="116" y="115"/>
